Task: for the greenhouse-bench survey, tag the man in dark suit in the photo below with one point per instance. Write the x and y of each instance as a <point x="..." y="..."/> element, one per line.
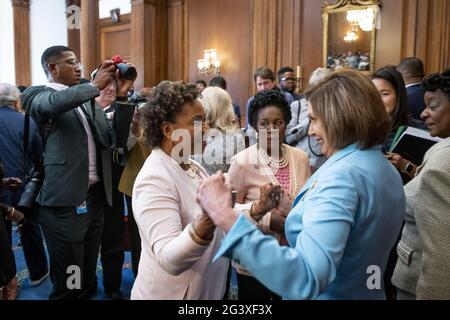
<point x="17" y="163"/>
<point x="412" y="71"/>
<point x="77" y="165"/>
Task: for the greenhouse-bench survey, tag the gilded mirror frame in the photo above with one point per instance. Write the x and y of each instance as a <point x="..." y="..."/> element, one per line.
<point x="344" y="6"/>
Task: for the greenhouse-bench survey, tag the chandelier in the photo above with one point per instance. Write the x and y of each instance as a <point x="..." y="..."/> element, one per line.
<point x="363" y="19"/>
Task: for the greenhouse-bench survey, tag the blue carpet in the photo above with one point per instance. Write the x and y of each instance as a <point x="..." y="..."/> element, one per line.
<point x="42" y="291"/>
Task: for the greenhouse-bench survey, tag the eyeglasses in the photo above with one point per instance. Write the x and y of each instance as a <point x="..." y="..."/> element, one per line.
<point x="288" y="79"/>
<point x="72" y="62"/>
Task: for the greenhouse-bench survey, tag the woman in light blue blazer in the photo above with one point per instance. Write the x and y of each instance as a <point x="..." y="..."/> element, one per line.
<point x="344" y="222"/>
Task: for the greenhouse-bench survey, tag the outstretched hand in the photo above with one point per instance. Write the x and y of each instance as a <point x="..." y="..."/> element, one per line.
<point x="214" y="196"/>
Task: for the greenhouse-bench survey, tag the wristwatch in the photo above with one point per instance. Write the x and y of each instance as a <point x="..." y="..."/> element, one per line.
<point x="408" y="168"/>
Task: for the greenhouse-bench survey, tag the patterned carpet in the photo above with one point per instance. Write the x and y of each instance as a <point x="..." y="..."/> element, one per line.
<point x="42" y="291"/>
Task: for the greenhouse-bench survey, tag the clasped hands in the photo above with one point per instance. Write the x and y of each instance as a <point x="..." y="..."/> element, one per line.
<point x="214" y="196"/>
<point x="274" y="199"/>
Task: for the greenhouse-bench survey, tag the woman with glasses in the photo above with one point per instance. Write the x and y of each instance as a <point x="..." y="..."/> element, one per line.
<point x="423" y="265"/>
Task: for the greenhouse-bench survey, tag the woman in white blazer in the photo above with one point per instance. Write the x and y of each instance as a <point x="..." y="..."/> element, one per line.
<point x="178" y="239"/>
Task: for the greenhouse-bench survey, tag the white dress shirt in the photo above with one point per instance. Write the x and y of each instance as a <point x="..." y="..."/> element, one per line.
<point x="92" y="152"/>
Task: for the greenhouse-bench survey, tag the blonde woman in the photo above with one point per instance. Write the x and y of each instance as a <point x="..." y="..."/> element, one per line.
<point x="223" y="139"/>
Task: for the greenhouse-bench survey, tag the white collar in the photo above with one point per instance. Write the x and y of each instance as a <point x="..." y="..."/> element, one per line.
<point x="412" y="84"/>
<point x="57" y="86"/>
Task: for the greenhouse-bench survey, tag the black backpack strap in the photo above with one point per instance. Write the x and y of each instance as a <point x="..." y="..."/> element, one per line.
<point x="25" y="140"/>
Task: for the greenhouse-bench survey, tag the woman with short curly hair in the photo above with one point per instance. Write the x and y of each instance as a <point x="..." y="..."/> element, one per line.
<point x="178" y="239"/>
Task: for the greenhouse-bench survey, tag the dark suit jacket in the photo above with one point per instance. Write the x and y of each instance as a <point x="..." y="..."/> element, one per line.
<point x="416" y="103"/>
<point x="7" y="262"/>
<point x="11" y="149"/>
<point x="66" y="160"/>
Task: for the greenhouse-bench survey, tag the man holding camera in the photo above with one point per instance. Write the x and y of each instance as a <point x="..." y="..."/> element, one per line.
<point x="77" y="167"/>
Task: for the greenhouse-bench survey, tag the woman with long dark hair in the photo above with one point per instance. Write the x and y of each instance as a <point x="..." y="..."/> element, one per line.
<point x="391" y="86"/>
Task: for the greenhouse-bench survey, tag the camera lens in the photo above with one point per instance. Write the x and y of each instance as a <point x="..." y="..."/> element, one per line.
<point x="127" y="72"/>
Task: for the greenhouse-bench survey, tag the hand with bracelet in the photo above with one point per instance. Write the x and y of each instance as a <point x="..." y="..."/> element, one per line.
<point x="202" y="229"/>
<point x="269" y="196"/>
<point x="403" y="165"/>
<point x="12" y="214"/>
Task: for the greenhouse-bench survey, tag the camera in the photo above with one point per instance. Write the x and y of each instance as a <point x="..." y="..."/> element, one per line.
<point x="31" y="190"/>
<point x="136" y="98"/>
<point x="127" y="72"/>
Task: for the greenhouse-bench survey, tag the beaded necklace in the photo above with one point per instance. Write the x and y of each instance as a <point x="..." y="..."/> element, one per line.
<point x="272" y="162"/>
<point x="268" y="167"/>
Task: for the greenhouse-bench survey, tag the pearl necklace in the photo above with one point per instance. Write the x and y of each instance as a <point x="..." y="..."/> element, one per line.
<point x="281" y="163"/>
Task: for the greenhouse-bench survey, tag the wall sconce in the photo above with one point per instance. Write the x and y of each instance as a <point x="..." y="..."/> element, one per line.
<point x="115" y="15"/>
<point x="210" y="64"/>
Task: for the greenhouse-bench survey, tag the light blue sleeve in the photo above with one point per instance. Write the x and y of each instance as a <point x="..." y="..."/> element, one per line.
<point x="305" y="269"/>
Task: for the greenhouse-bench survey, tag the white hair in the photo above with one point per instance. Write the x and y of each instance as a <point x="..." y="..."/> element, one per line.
<point x="318" y="74"/>
<point x="9" y="94"/>
<point x="218" y="108"/>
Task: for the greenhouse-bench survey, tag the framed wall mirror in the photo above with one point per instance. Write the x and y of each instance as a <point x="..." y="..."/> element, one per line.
<point x="349" y="34"/>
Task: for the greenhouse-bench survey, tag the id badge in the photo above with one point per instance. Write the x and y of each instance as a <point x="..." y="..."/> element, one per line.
<point x="82" y="208"/>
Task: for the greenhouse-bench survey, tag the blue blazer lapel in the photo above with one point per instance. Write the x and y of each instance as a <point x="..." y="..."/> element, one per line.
<point x="312" y="181"/>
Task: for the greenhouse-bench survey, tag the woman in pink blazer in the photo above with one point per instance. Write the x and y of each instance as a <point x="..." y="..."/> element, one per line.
<point x="269" y="161"/>
<point x="178" y="239"/>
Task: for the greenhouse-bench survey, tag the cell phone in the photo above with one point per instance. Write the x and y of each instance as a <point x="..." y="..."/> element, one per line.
<point x="233" y="198"/>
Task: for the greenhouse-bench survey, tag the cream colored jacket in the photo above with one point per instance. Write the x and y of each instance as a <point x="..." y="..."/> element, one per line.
<point x="172" y="265"/>
<point x="423" y="265"/>
<point x="247" y="176"/>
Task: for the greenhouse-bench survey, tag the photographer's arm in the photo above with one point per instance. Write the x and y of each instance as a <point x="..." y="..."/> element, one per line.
<point x="119" y="126"/>
<point x="43" y="104"/>
<point x="47" y="104"/>
<point x="121" y="122"/>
